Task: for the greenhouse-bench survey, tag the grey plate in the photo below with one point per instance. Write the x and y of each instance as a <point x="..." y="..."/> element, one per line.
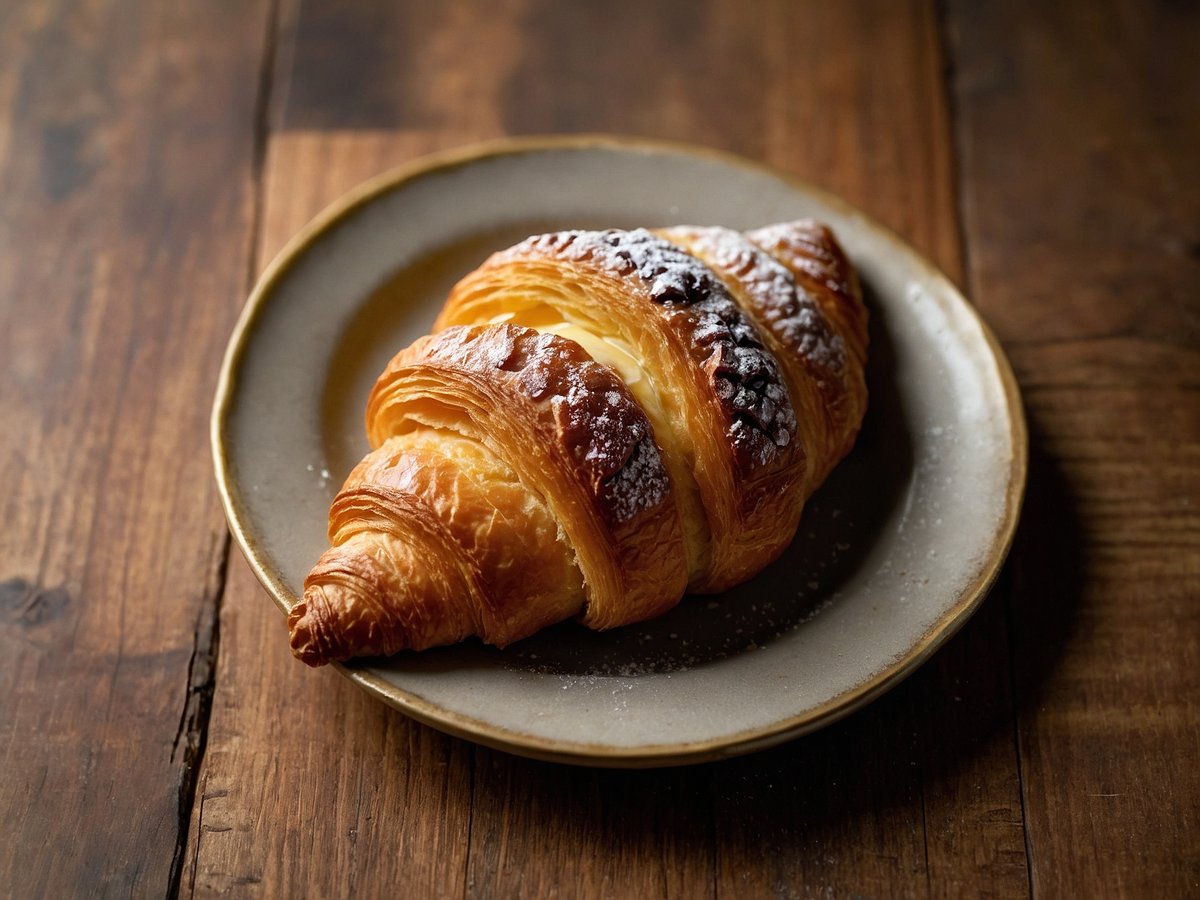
<point x="893" y="554"/>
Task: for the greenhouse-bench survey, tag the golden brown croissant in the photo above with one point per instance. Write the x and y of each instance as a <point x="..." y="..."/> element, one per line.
<point x="600" y="422"/>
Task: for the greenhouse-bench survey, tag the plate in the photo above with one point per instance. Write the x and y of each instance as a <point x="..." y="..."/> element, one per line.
<point x="893" y="554"/>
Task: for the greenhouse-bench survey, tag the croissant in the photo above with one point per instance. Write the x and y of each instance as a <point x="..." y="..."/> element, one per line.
<point x="601" y="421"/>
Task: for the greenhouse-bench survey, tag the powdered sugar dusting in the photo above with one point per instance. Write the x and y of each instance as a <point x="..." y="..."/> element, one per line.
<point x="597" y="420"/>
<point x="812" y="249"/>
<point x="751" y="618"/>
<point x="790" y="311"/>
<point x="605" y="428"/>
<point x="640" y="484"/>
<point x="721" y="339"/>
<point x="671" y="274"/>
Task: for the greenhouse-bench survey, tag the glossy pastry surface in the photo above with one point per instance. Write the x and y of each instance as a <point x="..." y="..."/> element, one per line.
<point x="600" y="421"/>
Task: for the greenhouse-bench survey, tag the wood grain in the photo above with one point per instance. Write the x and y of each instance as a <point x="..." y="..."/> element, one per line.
<point x="918" y="794"/>
<point x="309" y="787"/>
<point x="126" y="168"/>
<point x="1079" y="125"/>
<point x="1042" y="153"/>
<point x="544" y="830"/>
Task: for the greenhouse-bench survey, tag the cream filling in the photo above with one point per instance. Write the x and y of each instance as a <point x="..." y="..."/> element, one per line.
<point x="624" y="359"/>
<point x="608" y="351"/>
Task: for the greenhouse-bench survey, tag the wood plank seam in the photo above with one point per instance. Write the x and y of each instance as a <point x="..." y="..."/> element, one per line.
<point x="196" y="844"/>
<point x="1003" y="589"/>
<point x="473" y="768"/>
<point x="125" y="155"/>
<point x="207" y="637"/>
<point x="1078" y="121"/>
<point x="193" y="722"/>
<point x="262" y="136"/>
<point x="204" y="637"/>
<point x="1010" y="620"/>
<point x="925" y="831"/>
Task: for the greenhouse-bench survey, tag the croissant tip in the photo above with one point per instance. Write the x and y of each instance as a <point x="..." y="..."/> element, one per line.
<point x="304" y="643"/>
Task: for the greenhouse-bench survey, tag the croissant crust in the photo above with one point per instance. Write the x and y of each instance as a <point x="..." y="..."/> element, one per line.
<point x="601" y="421"/>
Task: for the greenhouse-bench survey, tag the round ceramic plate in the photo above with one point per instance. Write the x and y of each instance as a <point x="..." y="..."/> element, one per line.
<point x="894" y="551"/>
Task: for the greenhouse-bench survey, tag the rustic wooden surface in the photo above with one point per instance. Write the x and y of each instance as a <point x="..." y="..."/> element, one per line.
<point x="1095" y="298"/>
<point x="155" y="734"/>
<point x="127" y="190"/>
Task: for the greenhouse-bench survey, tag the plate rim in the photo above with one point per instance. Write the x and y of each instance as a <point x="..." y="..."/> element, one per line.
<point x="556" y="750"/>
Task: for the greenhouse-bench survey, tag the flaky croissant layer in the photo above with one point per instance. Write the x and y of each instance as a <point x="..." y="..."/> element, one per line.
<point x="601" y="421"/>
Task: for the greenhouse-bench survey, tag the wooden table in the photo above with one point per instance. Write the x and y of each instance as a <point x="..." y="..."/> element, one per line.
<point x="156" y="737"/>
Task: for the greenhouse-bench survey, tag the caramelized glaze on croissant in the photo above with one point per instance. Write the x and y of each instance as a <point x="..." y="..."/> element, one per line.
<point x="600" y="422"/>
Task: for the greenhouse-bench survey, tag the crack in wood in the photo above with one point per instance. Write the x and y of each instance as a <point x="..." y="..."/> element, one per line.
<point x="193" y="723"/>
<point x="192" y="732"/>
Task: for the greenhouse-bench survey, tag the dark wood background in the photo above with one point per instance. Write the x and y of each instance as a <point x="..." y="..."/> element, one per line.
<point x="155" y="735"/>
